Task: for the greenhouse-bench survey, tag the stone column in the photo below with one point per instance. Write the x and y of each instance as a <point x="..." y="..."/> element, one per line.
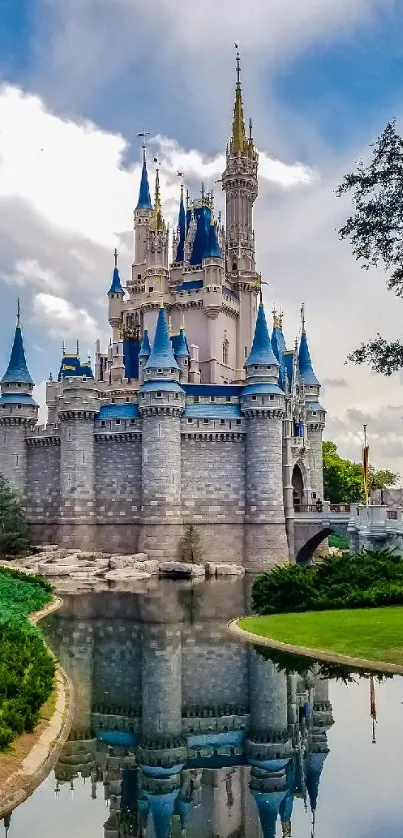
<point x="162" y="681"/>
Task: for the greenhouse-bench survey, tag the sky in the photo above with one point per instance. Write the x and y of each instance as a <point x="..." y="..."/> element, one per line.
<point x="80" y="79"/>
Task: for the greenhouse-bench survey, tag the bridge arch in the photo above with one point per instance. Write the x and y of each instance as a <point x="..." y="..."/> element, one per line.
<point x="305" y="554"/>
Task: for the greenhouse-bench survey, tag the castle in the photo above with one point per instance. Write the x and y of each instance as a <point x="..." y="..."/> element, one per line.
<point x="194" y="415"/>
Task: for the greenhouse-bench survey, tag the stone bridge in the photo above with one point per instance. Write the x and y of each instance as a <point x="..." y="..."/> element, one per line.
<point x="312" y="527"/>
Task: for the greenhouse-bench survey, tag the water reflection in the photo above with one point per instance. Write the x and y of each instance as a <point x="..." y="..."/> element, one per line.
<point x="180" y="730"/>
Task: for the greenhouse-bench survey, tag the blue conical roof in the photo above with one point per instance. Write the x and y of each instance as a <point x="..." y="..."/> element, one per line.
<point x="180" y="251"/>
<point x="17" y="370"/>
<point x="268" y="806"/>
<point x="162" y="808"/>
<point x="145" y="349"/>
<point x="305" y="363"/>
<point x="262" y="350"/>
<point x="162" y="355"/>
<point x="213" y="249"/>
<point x="116" y="287"/>
<point x="313" y="774"/>
<point x="144" y="201"/>
<point x="181" y="350"/>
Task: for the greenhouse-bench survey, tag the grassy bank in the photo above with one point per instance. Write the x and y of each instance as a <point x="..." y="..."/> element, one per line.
<point x="26" y="667"/>
<point x="373" y="634"/>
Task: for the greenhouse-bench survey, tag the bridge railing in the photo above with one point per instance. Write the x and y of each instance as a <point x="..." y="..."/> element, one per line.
<point x="322" y="507"/>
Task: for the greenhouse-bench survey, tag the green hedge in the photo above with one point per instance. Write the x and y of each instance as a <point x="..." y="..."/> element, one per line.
<point x="26" y="667"/>
<point x="351" y="580"/>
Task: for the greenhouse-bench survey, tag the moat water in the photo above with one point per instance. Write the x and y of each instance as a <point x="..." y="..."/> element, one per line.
<point x="181" y="731"/>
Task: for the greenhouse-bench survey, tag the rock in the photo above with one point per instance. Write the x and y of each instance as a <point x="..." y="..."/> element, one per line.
<point x="124" y="573"/>
<point x="141" y="557"/>
<point x="150" y="566"/>
<point x="214" y="569"/>
<point x="180" y="570"/>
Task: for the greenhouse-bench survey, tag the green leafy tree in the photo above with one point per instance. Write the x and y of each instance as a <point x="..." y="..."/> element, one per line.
<point x="14" y="535"/>
<point x="375" y="231"/>
<point x="343" y="479"/>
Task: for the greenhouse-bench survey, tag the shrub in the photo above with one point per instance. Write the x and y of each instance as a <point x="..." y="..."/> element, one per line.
<point x="26" y="667"/>
<point x="340" y="542"/>
<point x="367" y="578"/>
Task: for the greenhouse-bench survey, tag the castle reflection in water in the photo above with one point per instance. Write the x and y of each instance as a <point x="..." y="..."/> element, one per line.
<point x="182" y="730"/>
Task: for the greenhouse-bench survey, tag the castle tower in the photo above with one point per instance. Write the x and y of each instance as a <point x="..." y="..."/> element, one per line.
<point x="161" y="404"/>
<point x="157" y="245"/>
<point x="144" y="354"/>
<point x="18" y="414"/>
<point x="115" y="297"/>
<point x="182" y="356"/>
<point x="78" y="406"/>
<point x="142" y="216"/>
<point x="240" y="184"/>
<point x="315" y="414"/>
<point x="263" y="404"/>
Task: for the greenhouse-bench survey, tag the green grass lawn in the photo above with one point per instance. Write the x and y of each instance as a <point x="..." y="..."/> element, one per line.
<point x="371" y="633"/>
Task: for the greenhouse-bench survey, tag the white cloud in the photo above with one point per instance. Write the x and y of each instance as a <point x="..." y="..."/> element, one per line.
<point x="40" y="398"/>
<point x="62" y="319"/>
<point x="31" y="272"/>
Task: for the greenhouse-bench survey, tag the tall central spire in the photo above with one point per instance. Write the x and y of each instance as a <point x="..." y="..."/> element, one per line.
<point x="157" y="221"/>
<point x="238" y="138"/>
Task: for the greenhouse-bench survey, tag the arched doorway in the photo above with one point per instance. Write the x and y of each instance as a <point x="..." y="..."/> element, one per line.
<point x="305" y="554"/>
<point x="297" y="487"/>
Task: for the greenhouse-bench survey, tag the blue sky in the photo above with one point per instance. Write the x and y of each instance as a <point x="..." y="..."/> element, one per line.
<point x="320" y="80"/>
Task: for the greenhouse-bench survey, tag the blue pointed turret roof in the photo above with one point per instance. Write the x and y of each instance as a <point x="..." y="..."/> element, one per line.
<point x="144" y="201"/>
<point x="305" y="364"/>
<point x="162" y="356"/>
<point x="315" y="765"/>
<point x="181" y="348"/>
<point x="162" y="808"/>
<point x="145" y="348"/>
<point x="17" y="370"/>
<point x="262" y="350"/>
<point x="116" y="286"/>
<point x="180" y="250"/>
<point x="213" y="249"/>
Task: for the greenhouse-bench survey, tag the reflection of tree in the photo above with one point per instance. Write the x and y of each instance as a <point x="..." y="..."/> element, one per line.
<point x="301" y="664"/>
<point x="190" y="598"/>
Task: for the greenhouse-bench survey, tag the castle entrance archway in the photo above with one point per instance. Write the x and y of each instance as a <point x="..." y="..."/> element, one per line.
<point x="297" y="487"/>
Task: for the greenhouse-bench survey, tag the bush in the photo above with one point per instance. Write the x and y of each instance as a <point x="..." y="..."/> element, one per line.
<point x="26" y="667"/>
<point x="340" y="542"/>
<point x="368" y="578"/>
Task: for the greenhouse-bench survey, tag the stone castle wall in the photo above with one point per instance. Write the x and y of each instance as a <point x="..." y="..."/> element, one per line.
<point x="135" y="488"/>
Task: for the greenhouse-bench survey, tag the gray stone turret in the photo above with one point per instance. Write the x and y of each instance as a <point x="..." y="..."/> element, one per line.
<point x="161" y="404"/>
<point x="315" y="415"/>
<point x="18" y="414"/>
<point x="78" y="406"/>
<point x="263" y="404"/>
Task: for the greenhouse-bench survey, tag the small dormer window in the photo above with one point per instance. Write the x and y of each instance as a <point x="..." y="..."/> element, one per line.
<point x="205" y="421"/>
<point x="238" y="421"/>
<point x="151" y="289"/>
<point x="143" y="395"/>
<point x="103" y="423"/>
<point x="190" y="421"/>
<point x="271" y="398"/>
<point x="19" y="406"/>
<point x="313" y="412"/>
<point x="196" y="399"/>
<point x="117" y="421"/>
<point x="176" y="395"/>
<point x="186" y="362"/>
<point x="159" y="394"/>
<point x="113" y="401"/>
<point x="228" y="398"/>
<point x="254" y="398"/>
<point x="172" y="371"/>
<point x="212" y="398"/>
<point x="255" y="367"/>
<point x="160" y="371"/>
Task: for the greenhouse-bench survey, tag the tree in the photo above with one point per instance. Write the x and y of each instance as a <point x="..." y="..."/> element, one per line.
<point x="375" y="230"/>
<point x="14" y="535"/>
<point x="190" y="549"/>
<point x="343" y="479"/>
